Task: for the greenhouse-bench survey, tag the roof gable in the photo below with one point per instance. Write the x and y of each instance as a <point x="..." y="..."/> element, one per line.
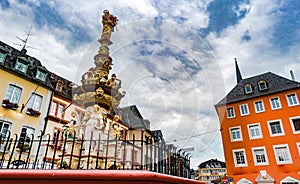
<point x="212" y="163"/>
<point x="133" y="117"/>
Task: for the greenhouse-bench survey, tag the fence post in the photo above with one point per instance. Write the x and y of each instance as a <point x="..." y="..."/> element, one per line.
<point x="46" y="152"/>
<point x="106" y="154"/>
<point x="38" y="150"/>
<point x="142" y="148"/>
<point x="146" y="160"/>
<point x="132" y="155"/>
<point x="151" y="154"/>
<point x="155" y="156"/>
<point x="72" y="149"/>
<point x="31" y="142"/>
<point x="55" y="147"/>
<point x="63" y="150"/>
<point x="80" y="151"/>
<point x="5" y="147"/>
<point x="116" y="147"/>
<point x="12" y="152"/>
<point x="124" y="153"/>
<point x="98" y="150"/>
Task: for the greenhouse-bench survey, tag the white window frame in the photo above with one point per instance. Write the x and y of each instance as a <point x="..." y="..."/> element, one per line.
<point x="53" y="109"/>
<point x="249" y="131"/>
<point x="19" y="61"/>
<point x="10" y="98"/>
<point x="27" y="135"/>
<point x="9" y="127"/>
<point x="298" y="146"/>
<point x="270" y="130"/>
<point x="33" y="95"/>
<point x="245" y="106"/>
<point x="262" y="82"/>
<point x="241" y="135"/>
<point x="250" y="87"/>
<point x="272" y="107"/>
<point x="234" y="158"/>
<point x="37" y="76"/>
<point x="263" y="107"/>
<point x="265" y="154"/>
<point x="294" y="104"/>
<point x="59" y="109"/>
<point x="290" y="161"/>
<point x="229" y="114"/>
<point x="292" y="124"/>
<point x="2" y="59"/>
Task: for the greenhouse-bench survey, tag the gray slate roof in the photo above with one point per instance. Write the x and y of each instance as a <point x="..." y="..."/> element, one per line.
<point x="275" y="84"/>
<point x="212" y="162"/>
<point x="134" y="119"/>
<point x="13" y="54"/>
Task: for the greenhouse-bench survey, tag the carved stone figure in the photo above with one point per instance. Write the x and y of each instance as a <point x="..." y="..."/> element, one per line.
<point x="92" y="120"/>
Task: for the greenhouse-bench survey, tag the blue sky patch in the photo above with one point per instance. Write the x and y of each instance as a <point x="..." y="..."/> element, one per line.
<point x="223" y="14"/>
<point x="4" y="4"/>
<point x="246" y="37"/>
<point x="286" y="30"/>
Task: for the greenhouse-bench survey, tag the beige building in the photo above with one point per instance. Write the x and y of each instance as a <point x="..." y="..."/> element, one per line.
<point x="211" y="170"/>
<point x="26" y="94"/>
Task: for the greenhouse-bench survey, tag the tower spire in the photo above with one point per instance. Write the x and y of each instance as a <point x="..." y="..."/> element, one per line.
<point x="237" y="72"/>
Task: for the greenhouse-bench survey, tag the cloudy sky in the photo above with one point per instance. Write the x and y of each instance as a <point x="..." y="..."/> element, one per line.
<point x="175" y="58"/>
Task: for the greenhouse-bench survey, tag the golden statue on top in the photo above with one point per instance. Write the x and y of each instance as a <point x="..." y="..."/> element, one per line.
<point x="96" y="86"/>
<point x="109" y="22"/>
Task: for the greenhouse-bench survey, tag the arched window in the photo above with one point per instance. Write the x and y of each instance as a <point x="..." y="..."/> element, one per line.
<point x="248" y="88"/>
<point x="262" y="85"/>
<point x="59" y="85"/>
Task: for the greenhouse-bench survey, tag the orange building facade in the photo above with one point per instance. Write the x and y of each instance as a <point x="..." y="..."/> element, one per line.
<point x="260" y="127"/>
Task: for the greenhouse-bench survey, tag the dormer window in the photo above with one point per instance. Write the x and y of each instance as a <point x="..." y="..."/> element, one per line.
<point x="59" y="85"/>
<point x="2" y="57"/>
<point x="41" y="75"/>
<point x="21" y="66"/>
<point x="248" y="88"/>
<point x="262" y="85"/>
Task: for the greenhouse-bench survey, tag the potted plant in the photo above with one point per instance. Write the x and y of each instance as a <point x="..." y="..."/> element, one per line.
<point x="7" y="104"/>
<point x="32" y="112"/>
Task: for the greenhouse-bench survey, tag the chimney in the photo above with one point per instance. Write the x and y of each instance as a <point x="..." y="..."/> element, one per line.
<point x="292" y="75"/>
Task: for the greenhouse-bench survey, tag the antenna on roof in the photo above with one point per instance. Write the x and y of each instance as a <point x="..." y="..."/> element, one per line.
<point x="24" y="45"/>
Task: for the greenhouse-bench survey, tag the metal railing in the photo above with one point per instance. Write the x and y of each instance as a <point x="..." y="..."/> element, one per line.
<point x="63" y="152"/>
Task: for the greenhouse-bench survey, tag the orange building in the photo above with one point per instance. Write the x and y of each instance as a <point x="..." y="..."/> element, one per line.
<point x="260" y="127"/>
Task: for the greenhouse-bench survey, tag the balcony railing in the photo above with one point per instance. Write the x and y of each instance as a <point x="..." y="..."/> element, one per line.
<point x="65" y="152"/>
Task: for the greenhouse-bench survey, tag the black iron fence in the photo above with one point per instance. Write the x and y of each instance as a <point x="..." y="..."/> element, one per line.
<point x="64" y="152"/>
